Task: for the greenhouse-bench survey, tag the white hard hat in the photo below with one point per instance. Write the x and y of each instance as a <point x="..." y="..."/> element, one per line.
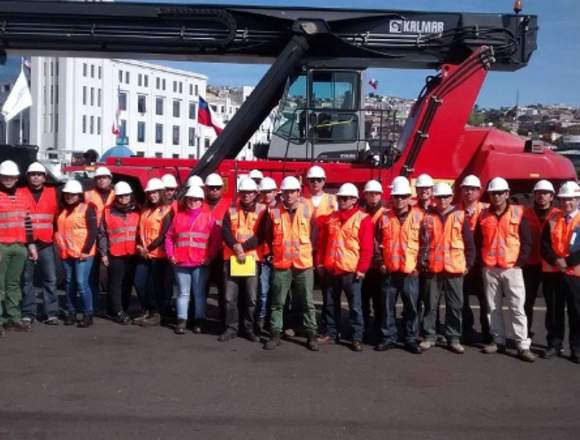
<point x="568" y="190"/>
<point x="316" y="172"/>
<point x="214" y="179"/>
<point x="195" y="191"/>
<point x="36" y="167"/>
<point x="247" y="184"/>
<point x="347" y="190"/>
<point x="155" y="184"/>
<point x="401" y="186"/>
<point x="256" y="174"/>
<point x="267" y="184"/>
<point x="290" y="183"/>
<point x="544" y="185"/>
<point x="73" y="187"/>
<point x="373" y="186"/>
<point x="424" y="181"/>
<point x="122" y="189"/>
<point x="169" y="181"/>
<point x="472" y="181"/>
<point x="103" y="171"/>
<point x="442" y="189"/>
<point x="498" y="184"/>
<point x="9" y="168"/>
<point x="194" y="181"/>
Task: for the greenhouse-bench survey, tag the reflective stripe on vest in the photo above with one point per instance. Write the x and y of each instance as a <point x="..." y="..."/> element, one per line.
<point x="501" y="237"/>
<point x="150" y="224"/>
<point x="326" y="206"/>
<point x="42" y="213"/>
<point x="95" y="198"/>
<point x="191" y="240"/>
<point x="12" y="215"/>
<point x="244" y="226"/>
<point x="343" y="248"/>
<point x="291" y="246"/>
<point x="536" y="227"/>
<point x="562" y="236"/>
<point x="122" y="233"/>
<point x="400" y="242"/>
<point x="474" y="217"/>
<point x="72" y="232"/>
<point x="446" y="246"/>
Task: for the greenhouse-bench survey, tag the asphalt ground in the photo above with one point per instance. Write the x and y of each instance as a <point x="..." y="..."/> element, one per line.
<point x="114" y="382"/>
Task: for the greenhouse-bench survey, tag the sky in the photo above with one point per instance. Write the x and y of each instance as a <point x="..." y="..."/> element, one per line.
<point x="551" y="77"/>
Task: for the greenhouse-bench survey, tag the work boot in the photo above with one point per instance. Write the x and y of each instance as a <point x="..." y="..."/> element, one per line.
<point x="251" y="336"/>
<point x="413" y="348"/>
<point x="87" y="321"/>
<point x="153" y="320"/>
<point x="526" y="356"/>
<point x="226" y="336"/>
<point x="18" y="326"/>
<point x="260" y="326"/>
<point x="456" y="348"/>
<point x="551" y="352"/>
<point x="273" y="342"/>
<point x="196" y="327"/>
<point x="52" y="320"/>
<point x="326" y="339"/>
<point x="312" y="343"/>
<point x="140" y="319"/>
<point x="70" y="319"/>
<point x="121" y="318"/>
<point x="356" y="346"/>
<point x="574" y="358"/>
<point x="493" y="348"/>
<point x="384" y="346"/>
<point x="426" y="344"/>
<point x="180" y="327"/>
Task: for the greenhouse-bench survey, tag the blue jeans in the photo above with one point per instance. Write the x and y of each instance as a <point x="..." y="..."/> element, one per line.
<point x="77" y="279"/>
<point x="191" y="279"/>
<point x="46" y="268"/>
<point x="335" y="285"/>
<point x="407" y="286"/>
<point x="265" y="281"/>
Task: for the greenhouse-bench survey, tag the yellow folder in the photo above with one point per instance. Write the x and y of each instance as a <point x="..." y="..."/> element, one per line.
<point x="245" y="269"/>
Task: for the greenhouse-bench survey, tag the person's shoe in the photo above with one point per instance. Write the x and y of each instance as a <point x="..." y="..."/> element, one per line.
<point x="197" y="328"/>
<point x="18" y="326"/>
<point x="153" y="320"/>
<point x="251" y="336"/>
<point x="326" y="339"/>
<point x="70" y="319"/>
<point x="226" y="336"/>
<point x="550" y="352"/>
<point x="180" y="326"/>
<point x="384" y="346"/>
<point x="356" y="346"/>
<point x="121" y="318"/>
<point x="312" y="343"/>
<point x="456" y="347"/>
<point x="27" y="320"/>
<point x="289" y="333"/>
<point x="574" y="358"/>
<point x="526" y="356"/>
<point x="273" y="342"/>
<point x="493" y="348"/>
<point x="413" y="348"/>
<point x="426" y="344"/>
<point x="260" y="326"/>
<point x="138" y="320"/>
<point x="87" y="321"/>
<point x="51" y="320"/>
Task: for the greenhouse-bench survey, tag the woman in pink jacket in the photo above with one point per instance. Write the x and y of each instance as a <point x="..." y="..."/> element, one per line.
<point x="192" y="240"/>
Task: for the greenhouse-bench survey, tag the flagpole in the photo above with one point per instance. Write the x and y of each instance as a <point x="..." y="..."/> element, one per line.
<point x="20" y="134"/>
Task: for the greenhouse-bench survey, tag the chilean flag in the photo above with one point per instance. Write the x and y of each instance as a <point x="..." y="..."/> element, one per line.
<point x="204" y="116"/>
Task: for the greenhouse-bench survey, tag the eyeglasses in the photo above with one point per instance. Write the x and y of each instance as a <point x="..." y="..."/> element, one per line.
<point x="497" y="193"/>
<point x="443" y="197"/>
<point x="214" y="188"/>
<point x="405" y="196"/>
<point x="316" y="179"/>
<point x="344" y="198"/>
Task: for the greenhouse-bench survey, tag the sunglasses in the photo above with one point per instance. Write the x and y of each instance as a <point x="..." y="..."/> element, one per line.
<point x="316" y="179"/>
<point x="401" y="197"/>
<point x="214" y="188"/>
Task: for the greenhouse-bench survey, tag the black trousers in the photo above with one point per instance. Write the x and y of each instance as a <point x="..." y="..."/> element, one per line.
<point x="241" y="298"/>
<point x="562" y="292"/>
<point x="533" y="278"/>
<point x="372" y="293"/>
<point x="473" y="285"/>
<point x="216" y="276"/>
<point x="120" y="283"/>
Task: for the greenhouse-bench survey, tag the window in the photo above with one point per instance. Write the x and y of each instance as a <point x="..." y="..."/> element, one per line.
<point x="141" y="104"/>
<point x="196" y="90"/>
<point x="190" y="156"/>
<point x="84" y="95"/>
<point x="56" y="94"/>
<point x="140" y="131"/>
<point x="175" y="156"/>
<point x="158" y="133"/>
<point x="92" y="96"/>
<point x="176" y="108"/>
<point x="92" y="125"/>
<point x="92" y="70"/>
<point x="164" y="83"/>
<point x="139" y="80"/>
<point x="191" y="136"/>
<point x="123" y="127"/>
<point x="159" y="106"/>
<point x="99" y="97"/>
<point x="140" y="154"/>
<point x="174" y="86"/>
<point x="127" y="77"/>
<point x="213" y="108"/>
<point x="176" y="135"/>
<point x="84" y="124"/>
<point x="180" y="87"/>
<point x="51" y="69"/>
<point x="206" y="141"/>
<point x="157" y="83"/>
<point x="100" y="72"/>
<point x="146" y="81"/>
<point x="120" y="76"/>
<point x="159" y="155"/>
<point x="85" y="69"/>
<point x="223" y="109"/>
<point x="98" y="125"/>
<point x="192" y="110"/>
<point x="51" y="95"/>
<point x="191" y="89"/>
<point x="122" y="100"/>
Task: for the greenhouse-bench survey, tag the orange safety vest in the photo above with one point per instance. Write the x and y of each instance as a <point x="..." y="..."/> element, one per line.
<point x="501" y="237"/>
<point x="150" y="224"/>
<point x="342" y="247"/>
<point x="474" y="217"/>
<point x="122" y="233"/>
<point x="536" y="228"/>
<point x="562" y="235"/>
<point x="191" y="240"/>
<point x="326" y="207"/>
<point x="94" y="197"/>
<point x="291" y="246"/>
<point x="12" y="215"/>
<point x="72" y="232"/>
<point x="446" y="246"/>
<point x="400" y="242"/>
<point x="218" y="211"/>
<point x="42" y="213"/>
<point x="245" y="226"/>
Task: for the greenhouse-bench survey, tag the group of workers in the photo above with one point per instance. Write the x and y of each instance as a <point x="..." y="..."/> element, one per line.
<point x="424" y="250"/>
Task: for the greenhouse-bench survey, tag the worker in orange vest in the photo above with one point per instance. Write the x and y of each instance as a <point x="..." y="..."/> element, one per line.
<point x="117" y="242"/>
<point x="473" y="281"/>
<point x="447" y="253"/>
<point x="560" y="249"/>
<point x="192" y="241"/>
<point x="289" y="230"/>
<point x="424" y="189"/>
<point x="75" y="236"/>
<point x="240" y="234"/>
<point x="16" y="243"/>
<point x="42" y="204"/>
<point x="372" y="282"/>
<point x="398" y="233"/>
<point x="153" y="275"/>
<point x="504" y="240"/>
<point x="101" y="197"/>
<point x="346" y="249"/>
<point x="171" y="187"/>
<point x="537" y="217"/>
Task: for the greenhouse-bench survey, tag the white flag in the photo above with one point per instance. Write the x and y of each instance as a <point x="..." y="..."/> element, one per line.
<point x="19" y="98"/>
